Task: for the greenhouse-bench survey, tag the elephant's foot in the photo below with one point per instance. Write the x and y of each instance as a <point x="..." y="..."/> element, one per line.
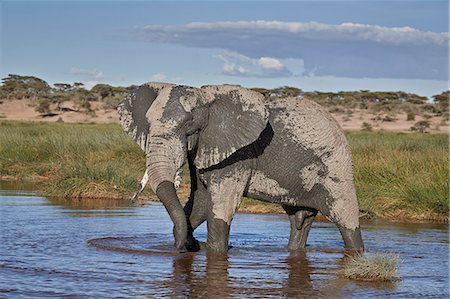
<point x="192" y="244"/>
<point x="352" y="239"/>
<point x="218" y="235"/>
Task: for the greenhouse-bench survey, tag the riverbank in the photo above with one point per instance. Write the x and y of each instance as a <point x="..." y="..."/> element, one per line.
<point x="398" y="176"/>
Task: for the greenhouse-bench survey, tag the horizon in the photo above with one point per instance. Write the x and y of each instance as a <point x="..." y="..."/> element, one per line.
<point x="325" y="46"/>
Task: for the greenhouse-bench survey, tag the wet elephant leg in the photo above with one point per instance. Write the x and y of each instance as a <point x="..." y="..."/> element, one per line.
<point x="218" y="235"/>
<point x="348" y="225"/>
<point x="226" y="187"/>
<point x="301" y="220"/>
<point x="352" y="239"/>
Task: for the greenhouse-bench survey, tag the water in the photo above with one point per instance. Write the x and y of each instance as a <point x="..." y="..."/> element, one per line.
<point x="47" y="250"/>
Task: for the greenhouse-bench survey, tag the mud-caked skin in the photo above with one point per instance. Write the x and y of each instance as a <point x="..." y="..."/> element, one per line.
<point x="288" y="151"/>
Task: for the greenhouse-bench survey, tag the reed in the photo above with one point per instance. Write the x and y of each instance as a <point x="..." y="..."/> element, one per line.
<point x="78" y="160"/>
<point x="397" y="176"/>
<point x="401" y="175"/>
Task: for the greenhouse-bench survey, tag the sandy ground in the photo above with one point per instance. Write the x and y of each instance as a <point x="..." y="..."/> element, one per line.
<point x="68" y="112"/>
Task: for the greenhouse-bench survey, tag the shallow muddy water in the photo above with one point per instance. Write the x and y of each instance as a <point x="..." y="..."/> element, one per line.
<point x="106" y="249"/>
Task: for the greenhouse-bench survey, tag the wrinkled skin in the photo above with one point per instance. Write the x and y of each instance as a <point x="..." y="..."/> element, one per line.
<point x="287" y="151"/>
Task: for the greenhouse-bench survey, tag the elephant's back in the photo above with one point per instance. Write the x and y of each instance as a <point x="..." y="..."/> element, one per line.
<point x="306" y="123"/>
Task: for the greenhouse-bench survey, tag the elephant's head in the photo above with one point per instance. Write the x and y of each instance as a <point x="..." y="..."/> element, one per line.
<point x="161" y="118"/>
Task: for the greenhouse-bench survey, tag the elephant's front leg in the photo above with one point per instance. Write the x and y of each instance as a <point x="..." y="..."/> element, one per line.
<point x="226" y="188"/>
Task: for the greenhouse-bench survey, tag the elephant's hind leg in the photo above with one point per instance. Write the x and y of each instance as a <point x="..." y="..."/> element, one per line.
<point x="301" y="220"/>
<point x="344" y="212"/>
<point x="352" y="239"/>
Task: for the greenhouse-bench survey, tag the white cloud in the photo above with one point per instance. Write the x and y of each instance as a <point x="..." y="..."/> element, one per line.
<point x="313" y="30"/>
<point x="158" y="77"/>
<point x="231" y="68"/>
<point x="236" y="64"/>
<point x="344" y="50"/>
<point x="89" y="73"/>
<point x="270" y="63"/>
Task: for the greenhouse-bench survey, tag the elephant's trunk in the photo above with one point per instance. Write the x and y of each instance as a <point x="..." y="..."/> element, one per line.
<point x="164" y="158"/>
<point x="167" y="194"/>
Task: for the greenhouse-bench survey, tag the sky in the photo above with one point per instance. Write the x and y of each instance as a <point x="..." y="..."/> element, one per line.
<point x="312" y="45"/>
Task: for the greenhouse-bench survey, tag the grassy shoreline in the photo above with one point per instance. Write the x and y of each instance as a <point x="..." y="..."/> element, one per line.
<point x="398" y="176"/>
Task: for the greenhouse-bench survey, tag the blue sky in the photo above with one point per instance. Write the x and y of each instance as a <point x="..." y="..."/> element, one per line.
<point x="313" y="45"/>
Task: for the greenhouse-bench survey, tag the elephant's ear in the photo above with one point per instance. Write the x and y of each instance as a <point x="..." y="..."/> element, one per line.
<point x="237" y="116"/>
<point x="132" y="111"/>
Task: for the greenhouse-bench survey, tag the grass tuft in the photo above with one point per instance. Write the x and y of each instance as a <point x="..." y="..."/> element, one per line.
<point x="372" y="267"/>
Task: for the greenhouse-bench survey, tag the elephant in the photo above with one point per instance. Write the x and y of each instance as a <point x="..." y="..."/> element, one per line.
<point x="288" y="151"/>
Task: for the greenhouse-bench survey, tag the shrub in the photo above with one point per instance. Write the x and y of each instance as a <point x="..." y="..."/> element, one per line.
<point x="389" y="118"/>
<point x="336" y="109"/>
<point x="410" y="116"/>
<point x="43" y="106"/>
<point x="372" y="267"/>
<point x="367" y="127"/>
<point x="421" y="126"/>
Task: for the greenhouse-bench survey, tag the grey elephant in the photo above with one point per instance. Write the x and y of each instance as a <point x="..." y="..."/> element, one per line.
<point x="288" y="151"/>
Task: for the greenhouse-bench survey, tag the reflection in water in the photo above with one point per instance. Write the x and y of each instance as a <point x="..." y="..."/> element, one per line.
<point x="88" y="203"/>
<point x="217" y="275"/>
<point x="45" y="251"/>
<point x="192" y="278"/>
<point x="207" y="275"/>
<point x="299" y="280"/>
<point x="183" y="279"/>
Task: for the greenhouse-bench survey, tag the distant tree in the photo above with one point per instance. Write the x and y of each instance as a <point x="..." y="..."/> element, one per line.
<point x="282" y="91"/>
<point x="62" y="87"/>
<point x="24" y="87"/>
<point x="103" y="90"/>
<point x="415" y="99"/>
<point x="287" y="91"/>
<point x="442" y="101"/>
<point x="78" y="85"/>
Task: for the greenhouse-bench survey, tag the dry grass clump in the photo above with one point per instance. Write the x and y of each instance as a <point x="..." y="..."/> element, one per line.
<point x="372" y="267"/>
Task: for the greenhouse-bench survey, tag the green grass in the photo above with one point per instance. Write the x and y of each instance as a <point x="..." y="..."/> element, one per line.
<point x="396" y="175"/>
<point x="401" y="175"/>
<point x="372" y="267"/>
<point x="87" y="160"/>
